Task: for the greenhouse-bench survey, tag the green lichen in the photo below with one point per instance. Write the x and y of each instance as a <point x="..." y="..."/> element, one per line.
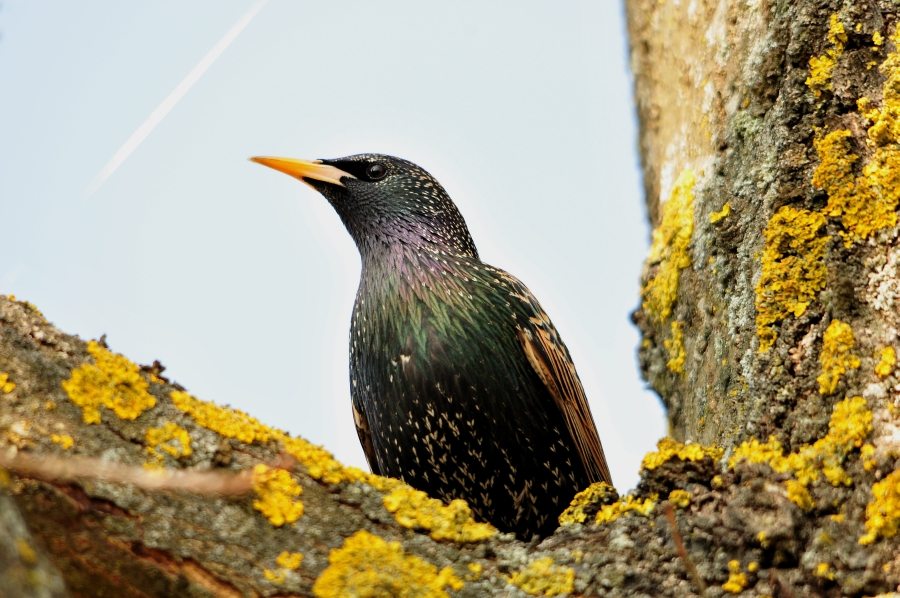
<point x="368" y="566"/>
<point x="793" y="269"/>
<point x="543" y="577"/>
<point x="111" y="381"/>
<point x="670" y="249"/>
<point x="837" y="356"/>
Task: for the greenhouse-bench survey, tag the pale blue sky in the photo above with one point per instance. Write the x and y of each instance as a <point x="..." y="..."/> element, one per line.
<point x="241" y="280"/>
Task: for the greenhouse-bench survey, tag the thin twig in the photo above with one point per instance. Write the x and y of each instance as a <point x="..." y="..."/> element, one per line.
<point x="669" y="512"/>
<point x="50" y="468"/>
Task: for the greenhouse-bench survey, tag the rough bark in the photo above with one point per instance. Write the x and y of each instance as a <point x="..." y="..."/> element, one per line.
<point x="24" y="571"/>
<point x="727" y="118"/>
<point x="729" y="102"/>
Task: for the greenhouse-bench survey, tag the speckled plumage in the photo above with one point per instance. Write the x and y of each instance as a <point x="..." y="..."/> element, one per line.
<point x="460" y="384"/>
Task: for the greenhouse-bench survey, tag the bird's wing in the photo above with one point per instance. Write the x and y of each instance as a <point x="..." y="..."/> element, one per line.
<point x="365" y="439"/>
<point x="550" y="359"/>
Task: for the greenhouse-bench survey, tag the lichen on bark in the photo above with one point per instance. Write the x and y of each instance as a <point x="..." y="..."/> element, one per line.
<point x="778" y="237"/>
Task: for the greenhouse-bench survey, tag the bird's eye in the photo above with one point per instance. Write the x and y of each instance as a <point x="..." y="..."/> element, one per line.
<point x="376" y="172"/>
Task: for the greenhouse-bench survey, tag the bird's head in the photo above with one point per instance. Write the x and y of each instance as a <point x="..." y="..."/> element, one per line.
<point x="384" y="201"/>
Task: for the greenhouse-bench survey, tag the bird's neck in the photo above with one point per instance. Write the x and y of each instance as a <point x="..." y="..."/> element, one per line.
<point x="404" y="265"/>
<point x="400" y="250"/>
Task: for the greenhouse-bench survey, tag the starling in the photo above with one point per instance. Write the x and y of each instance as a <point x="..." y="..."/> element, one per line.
<point x="460" y="384"/>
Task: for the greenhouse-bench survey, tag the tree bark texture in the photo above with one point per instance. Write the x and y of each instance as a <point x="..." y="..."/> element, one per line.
<point x="769" y="312"/>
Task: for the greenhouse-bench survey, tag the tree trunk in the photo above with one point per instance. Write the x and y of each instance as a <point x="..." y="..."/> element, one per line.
<point x="770" y="317"/>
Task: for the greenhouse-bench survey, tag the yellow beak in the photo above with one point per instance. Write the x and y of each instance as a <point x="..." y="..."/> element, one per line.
<point x="304" y="169"/>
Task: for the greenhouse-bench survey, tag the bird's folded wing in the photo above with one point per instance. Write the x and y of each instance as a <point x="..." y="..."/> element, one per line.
<point x="550" y="359"/>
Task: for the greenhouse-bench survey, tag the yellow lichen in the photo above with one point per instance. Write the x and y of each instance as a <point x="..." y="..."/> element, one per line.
<point x="668" y="449"/>
<point x="865" y="203"/>
<point x="675" y="348"/>
<point x="867" y="454"/>
<point x="670" y="249"/>
<point x="112" y="381"/>
<point x="596" y="494"/>
<point x="275" y="576"/>
<point x="6" y="385"/>
<point x="825" y="571"/>
<point x="277" y="495"/>
<point x="680" y="498"/>
<point x="763" y="538"/>
<point x="836" y="356"/>
<point x="877" y="38"/>
<point x="850" y="424"/>
<point x="368" y="566"/>
<point x="721" y="214"/>
<point x="883" y="511"/>
<point x="737" y="580"/>
<point x="414" y="509"/>
<point x="475" y="570"/>
<point x="887" y="360"/>
<point x="753" y="451"/>
<point x="225" y="421"/>
<point x="820" y="67"/>
<point x="543" y="577"/>
<point x="27" y="553"/>
<point x="321" y="465"/>
<point x="793" y="269"/>
<point x="628" y="504"/>
<point x="169" y="438"/>
<point x="799" y="495"/>
<point x="885" y="129"/>
<point x="63" y="440"/>
<point x="287" y="562"/>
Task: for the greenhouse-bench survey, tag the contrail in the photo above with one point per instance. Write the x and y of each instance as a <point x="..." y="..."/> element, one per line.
<point x="160" y="112"/>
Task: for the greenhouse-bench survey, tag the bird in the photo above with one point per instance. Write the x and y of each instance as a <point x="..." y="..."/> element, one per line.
<point x="460" y="384"/>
